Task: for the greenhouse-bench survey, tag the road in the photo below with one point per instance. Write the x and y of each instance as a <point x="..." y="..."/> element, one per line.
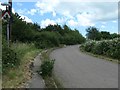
<point x="75" y="69"/>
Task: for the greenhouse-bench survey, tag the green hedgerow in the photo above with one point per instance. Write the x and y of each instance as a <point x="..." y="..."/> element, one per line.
<point x="89" y="46"/>
<point x="101" y="48"/>
<point x="110" y="48"/>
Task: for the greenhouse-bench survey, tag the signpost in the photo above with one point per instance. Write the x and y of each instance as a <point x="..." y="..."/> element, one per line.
<point x="7" y="16"/>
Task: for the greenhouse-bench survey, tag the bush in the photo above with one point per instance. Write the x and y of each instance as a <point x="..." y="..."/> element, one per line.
<point x="101" y="48"/>
<point x="110" y="48"/>
<point x="9" y="59"/>
<point x="89" y="46"/>
<point x="43" y="44"/>
<point x="114" y="50"/>
<point x="47" y="39"/>
<point x="47" y="67"/>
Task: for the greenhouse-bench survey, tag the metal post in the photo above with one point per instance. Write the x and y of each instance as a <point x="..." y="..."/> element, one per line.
<point x="9" y="24"/>
<point x="10" y="21"/>
<point x="8" y="33"/>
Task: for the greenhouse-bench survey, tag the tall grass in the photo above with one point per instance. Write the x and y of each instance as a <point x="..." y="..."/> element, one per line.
<point x="18" y="75"/>
<point x="22" y="48"/>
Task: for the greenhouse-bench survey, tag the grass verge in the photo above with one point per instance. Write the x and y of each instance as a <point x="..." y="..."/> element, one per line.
<point x="100" y="56"/>
<point x="16" y="77"/>
<point x="50" y="81"/>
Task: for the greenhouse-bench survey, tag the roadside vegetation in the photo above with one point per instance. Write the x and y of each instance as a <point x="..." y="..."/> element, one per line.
<point x="27" y="40"/>
<point x="102" y="43"/>
<point x="15" y="64"/>
<point x="47" y="70"/>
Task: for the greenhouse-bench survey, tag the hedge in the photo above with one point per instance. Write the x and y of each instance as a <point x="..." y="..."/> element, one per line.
<point x="109" y="48"/>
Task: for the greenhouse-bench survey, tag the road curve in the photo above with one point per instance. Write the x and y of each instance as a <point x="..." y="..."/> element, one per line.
<point x="75" y="69"/>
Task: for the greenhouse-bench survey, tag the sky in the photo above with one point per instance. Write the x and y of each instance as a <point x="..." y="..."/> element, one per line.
<point x="77" y="14"/>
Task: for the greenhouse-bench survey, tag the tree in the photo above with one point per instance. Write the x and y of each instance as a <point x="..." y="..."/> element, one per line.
<point x="105" y="35"/>
<point x="93" y="33"/>
<point x="114" y="35"/>
<point x="21" y="31"/>
<point x="66" y="28"/>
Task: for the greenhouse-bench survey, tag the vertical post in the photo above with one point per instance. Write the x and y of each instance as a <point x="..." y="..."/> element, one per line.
<point x="10" y="21"/>
<point x="8" y="33"/>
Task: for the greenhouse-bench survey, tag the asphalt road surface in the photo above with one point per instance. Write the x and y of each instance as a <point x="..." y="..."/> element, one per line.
<point x="75" y="69"/>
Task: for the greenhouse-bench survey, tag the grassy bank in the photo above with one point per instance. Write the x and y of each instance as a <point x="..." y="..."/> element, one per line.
<point x="17" y="76"/>
<point x="50" y="81"/>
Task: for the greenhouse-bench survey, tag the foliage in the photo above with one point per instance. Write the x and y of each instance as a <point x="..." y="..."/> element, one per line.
<point x="65" y="35"/>
<point x="101" y="48"/>
<point x="50" y="36"/>
<point x="105" y="35"/>
<point x="46" y="40"/>
<point x="9" y="58"/>
<point x="88" y="46"/>
<point x="94" y="34"/>
<point x="15" y="76"/>
<point x="47" y="67"/>
<point x="110" y="48"/>
<point x="22" y="48"/>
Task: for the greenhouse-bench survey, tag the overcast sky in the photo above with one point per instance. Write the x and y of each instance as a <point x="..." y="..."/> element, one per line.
<point x="76" y="14"/>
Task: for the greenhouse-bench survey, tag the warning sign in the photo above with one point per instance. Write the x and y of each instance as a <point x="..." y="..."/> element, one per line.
<point x="6" y="15"/>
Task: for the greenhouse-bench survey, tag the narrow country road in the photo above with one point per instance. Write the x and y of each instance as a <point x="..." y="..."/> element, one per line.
<point x="75" y="69"/>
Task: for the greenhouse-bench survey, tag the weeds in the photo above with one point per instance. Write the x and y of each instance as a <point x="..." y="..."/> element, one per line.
<point x="47" y="68"/>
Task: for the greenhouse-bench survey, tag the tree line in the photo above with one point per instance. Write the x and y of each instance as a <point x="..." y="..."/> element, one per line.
<point x="93" y="33"/>
<point x="50" y="36"/>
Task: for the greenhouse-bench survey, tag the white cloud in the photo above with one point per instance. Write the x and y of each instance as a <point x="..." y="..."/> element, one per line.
<point x="104" y="23"/>
<point x="32" y="11"/>
<point x="85" y="19"/>
<point x="54" y="13"/>
<point x="86" y="13"/>
<point x="61" y="20"/>
<point x="47" y="22"/>
<point x="47" y="6"/>
<point x="67" y="14"/>
<point x="114" y="21"/>
<point x="22" y="11"/>
<point x="72" y="23"/>
<point x="19" y="4"/>
<point x="102" y="26"/>
<point x="25" y="18"/>
<point x="13" y="10"/>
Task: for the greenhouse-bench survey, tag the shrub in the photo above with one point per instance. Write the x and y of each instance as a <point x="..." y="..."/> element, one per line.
<point x="101" y="48"/>
<point x="43" y="44"/>
<point x="47" y="39"/>
<point x="110" y="48"/>
<point x="47" y="67"/>
<point x="9" y="59"/>
<point x="114" y="50"/>
<point x="89" y="46"/>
